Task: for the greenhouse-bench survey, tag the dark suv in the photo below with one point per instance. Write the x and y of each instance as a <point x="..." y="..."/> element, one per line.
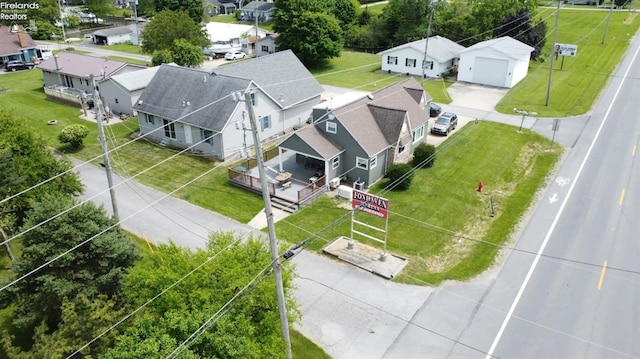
<point x="446" y="123"/>
<point x="15" y="65"/>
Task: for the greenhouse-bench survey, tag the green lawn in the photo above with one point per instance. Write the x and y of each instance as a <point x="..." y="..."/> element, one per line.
<point x="128" y="48"/>
<point x="578" y="83"/>
<point x="440" y="221"/>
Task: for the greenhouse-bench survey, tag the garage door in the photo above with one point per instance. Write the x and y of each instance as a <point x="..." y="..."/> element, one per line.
<point x="492" y="72"/>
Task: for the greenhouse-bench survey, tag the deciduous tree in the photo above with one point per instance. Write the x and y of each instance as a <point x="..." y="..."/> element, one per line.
<point x="250" y="328"/>
<point x="168" y="26"/>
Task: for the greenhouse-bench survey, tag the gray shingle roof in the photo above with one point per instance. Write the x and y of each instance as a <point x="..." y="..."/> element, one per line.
<point x="260" y="5"/>
<point x="376" y="124"/>
<point x="506" y="45"/>
<point x="113" y="31"/>
<point x="322" y="144"/>
<point x="281" y="75"/>
<point x="82" y="65"/>
<point x="135" y="80"/>
<point x="193" y="96"/>
<point x="439" y="48"/>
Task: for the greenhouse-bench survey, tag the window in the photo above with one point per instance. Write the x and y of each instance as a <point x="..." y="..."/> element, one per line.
<point x="401" y="148"/>
<point x="373" y="162"/>
<point x="116" y="100"/>
<point x="265" y="122"/>
<point x="332" y="127"/>
<point x="265" y="48"/>
<point x="335" y="162"/>
<point x="206" y="136"/>
<point x="418" y="134"/>
<point x="427" y="65"/>
<point x="410" y="62"/>
<point x="254" y="98"/>
<point x="392" y="60"/>
<point x="169" y="129"/>
<point x="150" y="119"/>
<point x="362" y="163"/>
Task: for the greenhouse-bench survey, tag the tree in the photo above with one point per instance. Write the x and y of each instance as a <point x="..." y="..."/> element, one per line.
<point x="307" y="28"/>
<point x="400" y="176"/>
<point x="161" y="57"/>
<point x="168" y="26"/>
<point x="100" y="8"/>
<point x="26" y="162"/>
<point x="488" y="15"/>
<point x="406" y="20"/>
<point x="344" y="11"/>
<point x="194" y="8"/>
<point x="73" y="135"/>
<point x="82" y="321"/>
<point x="186" y="54"/>
<point x="424" y="156"/>
<point x="518" y="26"/>
<point x="251" y="327"/>
<point x="94" y="268"/>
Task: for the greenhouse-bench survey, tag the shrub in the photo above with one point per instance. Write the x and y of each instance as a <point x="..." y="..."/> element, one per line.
<point x="424" y="156"/>
<point x="400" y="176"/>
<point x="73" y="135"/>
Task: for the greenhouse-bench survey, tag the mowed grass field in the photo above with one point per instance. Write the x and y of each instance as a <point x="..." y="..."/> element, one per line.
<point x="576" y="84"/>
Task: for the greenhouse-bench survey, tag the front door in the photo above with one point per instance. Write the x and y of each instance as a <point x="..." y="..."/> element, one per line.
<point x="187" y="135"/>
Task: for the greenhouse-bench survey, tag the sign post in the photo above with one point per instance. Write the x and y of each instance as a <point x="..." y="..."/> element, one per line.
<point x="371" y="204"/>
<point x="565" y="50"/>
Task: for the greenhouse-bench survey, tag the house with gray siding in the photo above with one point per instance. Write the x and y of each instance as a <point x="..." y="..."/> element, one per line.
<point x="121" y="92"/>
<point x="194" y="109"/>
<point x="360" y="139"/>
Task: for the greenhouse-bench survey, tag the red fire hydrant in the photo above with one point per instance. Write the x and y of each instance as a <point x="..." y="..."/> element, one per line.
<point x="480" y="185"/>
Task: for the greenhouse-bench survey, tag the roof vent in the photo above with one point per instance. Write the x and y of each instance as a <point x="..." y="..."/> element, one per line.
<point x="370" y="97"/>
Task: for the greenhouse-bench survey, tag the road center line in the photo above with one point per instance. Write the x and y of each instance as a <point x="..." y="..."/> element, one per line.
<point x="516" y="300"/>
<point x="604" y="269"/>
<point x="622" y="197"/>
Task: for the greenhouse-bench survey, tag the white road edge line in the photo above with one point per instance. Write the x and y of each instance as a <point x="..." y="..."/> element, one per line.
<point x="555" y="221"/>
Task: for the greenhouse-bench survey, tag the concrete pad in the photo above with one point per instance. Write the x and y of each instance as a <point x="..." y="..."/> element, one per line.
<point x="366" y="257"/>
<point x="260" y="219"/>
<point x="475" y="96"/>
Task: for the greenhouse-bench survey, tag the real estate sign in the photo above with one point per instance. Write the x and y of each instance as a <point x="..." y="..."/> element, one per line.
<point x="369" y="203"/>
<point x="565" y="50"/>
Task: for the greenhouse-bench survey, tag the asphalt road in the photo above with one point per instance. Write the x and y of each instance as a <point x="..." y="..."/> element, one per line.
<point x="570" y="289"/>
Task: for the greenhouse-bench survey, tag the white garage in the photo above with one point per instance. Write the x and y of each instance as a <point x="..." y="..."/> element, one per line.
<point x="500" y="62"/>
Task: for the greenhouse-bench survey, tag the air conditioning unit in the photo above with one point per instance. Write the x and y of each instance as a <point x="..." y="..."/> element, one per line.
<point x="359" y="185"/>
<point x="334" y="182"/>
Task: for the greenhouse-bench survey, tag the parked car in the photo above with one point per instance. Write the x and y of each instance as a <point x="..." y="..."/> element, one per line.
<point x="446" y="123"/>
<point x="15" y="65"/>
<point x="234" y="55"/>
<point x="434" y="110"/>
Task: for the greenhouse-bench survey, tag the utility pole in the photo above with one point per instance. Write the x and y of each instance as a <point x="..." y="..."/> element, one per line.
<point x="426" y="44"/>
<point x="608" y="20"/>
<point x="105" y="152"/>
<point x="64" y="36"/>
<point x="270" y="224"/>
<point x="555" y="40"/>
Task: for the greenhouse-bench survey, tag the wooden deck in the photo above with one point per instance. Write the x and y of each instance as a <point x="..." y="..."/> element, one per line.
<point x="304" y="184"/>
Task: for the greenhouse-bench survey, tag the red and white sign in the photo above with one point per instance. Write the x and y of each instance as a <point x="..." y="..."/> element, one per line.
<point x="369" y="203"/>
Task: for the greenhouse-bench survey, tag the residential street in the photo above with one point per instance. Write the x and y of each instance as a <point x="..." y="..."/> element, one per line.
<point x="351" y="313"/>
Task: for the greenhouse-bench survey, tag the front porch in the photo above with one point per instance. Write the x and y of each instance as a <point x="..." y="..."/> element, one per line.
<point x="303" y="182"/>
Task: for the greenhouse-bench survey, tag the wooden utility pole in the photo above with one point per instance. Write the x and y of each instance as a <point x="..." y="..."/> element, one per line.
<point x="284" y="323"/>
<point x="105" y="151"/>
<point x="553" y="56"/>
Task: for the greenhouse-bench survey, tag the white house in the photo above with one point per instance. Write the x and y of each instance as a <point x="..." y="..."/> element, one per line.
<point x="500" y="62"/>
<point x="267" y="45"/>
<point x="442" y="54"/>
<point x="122" y="91"/>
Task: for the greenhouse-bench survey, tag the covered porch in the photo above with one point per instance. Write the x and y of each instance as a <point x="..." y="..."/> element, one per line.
<point x="293" y="179"/>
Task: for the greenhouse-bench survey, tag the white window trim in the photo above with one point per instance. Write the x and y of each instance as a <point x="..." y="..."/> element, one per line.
<point x="373" y="162"/>
<point x="335" y="162"/>
<point x="362" y="163"/>
<point x="420" y="131"/>
<point x="332" y="127"/>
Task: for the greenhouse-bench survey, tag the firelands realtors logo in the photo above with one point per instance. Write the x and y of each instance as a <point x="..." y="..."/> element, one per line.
<point x="15" y="11"/>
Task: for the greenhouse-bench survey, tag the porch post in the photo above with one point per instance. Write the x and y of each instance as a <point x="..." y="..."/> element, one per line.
<point x="280" y="159"/>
